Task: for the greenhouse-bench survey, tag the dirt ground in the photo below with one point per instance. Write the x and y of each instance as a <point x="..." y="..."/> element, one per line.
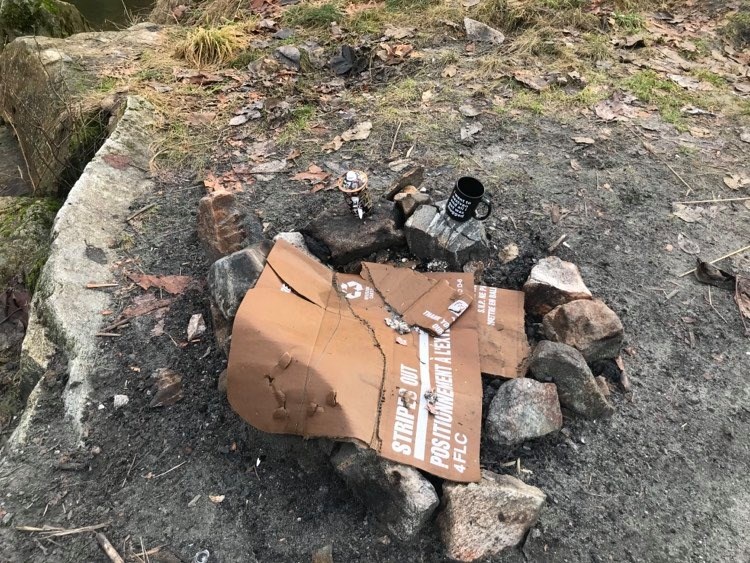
<point x="664" y="480"/>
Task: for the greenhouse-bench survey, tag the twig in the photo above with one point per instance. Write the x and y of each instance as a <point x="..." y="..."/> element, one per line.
<point x="115" y="325"/>
<point x="169" y="470"/>
<point x="108" y="548"/>
<point x="132" y="463"/>
<point x="711" y="303"/>
<point x="712" y="200"/>
<point x="680" y="178"/>
<point x="393" y="144"/>
<point x="143" y="551"/>
<point x="558" y="242"/>
<point x="108" y="334"/>
<point x="718" y="260"/>
<point x="53" y="532"/>
<point x="95" y="285"/>
<point x="141" y="211"/>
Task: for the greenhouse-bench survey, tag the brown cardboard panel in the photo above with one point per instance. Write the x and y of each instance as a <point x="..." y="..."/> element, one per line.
<point x="319" y="360"/>
<point x="503" y="346"/>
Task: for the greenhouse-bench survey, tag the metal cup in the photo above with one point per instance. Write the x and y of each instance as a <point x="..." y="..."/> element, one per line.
<point x="468" y="194"/>
<point x="354" y="187"/>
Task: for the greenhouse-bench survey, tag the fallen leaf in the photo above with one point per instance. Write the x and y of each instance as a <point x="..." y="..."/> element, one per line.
<point x="314" y="174"/>
<point x="688" y="246"/>
<point x="398" y="32"/>
<point x="399" y="164"/>
<point x="171" y="284"/>
<point x="117" y="161"/>
<point x="736" y="181"/>
<point x="531" y="80"/>
<point x="449" y="71"/>
<point x="238" y="120"/>
<point x="168" y="388"/>
<point x="467" y="110"/>
<point x="144" y="304"/>
<point x="359" y="132"/>
<point x="575" y="165"/>
<point x="226" y="182"/>
<point x="196" y="327"/>
<point x="158" y="329"/>
<point x="742" y="296"/>
<point x="270" y="167"/>
<point x="427" y="95"/>
<point x="217" y="499"/>
<point x="583" y="140"/>
<point x="200" y="118"/>
<point x="711" y="275"/>
<point x="509" y="253"/>
<point x="468" y="132"/>
<point x="689" y="214"/>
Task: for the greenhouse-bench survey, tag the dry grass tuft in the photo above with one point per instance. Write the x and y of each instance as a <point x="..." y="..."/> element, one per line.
<point x="211" y="46"/>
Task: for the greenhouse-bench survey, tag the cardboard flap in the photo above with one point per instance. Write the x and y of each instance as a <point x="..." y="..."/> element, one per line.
<point x="439" y="308"/>
<point x="304" y="275"/>
<point x="400" y="287"/>
<point x="503" y="346"/>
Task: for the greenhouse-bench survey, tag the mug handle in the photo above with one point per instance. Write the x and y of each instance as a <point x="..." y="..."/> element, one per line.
<point x="488" y="203"/>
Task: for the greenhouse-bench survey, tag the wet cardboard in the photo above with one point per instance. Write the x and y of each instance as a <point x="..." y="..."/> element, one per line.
<point x="503" y="347"/>
<point x="311" y="355"/>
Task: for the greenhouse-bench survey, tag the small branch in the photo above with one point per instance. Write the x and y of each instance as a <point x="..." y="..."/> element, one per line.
<point x="393" y="144"/>
<point x="558" y="242"/>
<point x="679" y="177"/>
<point x="169" y="470"/>
<point x="100" y="285"/>
<point x="712" y="200"/>
<point x="108" y="334"/>
<point x="718" y="260"/>
<point x="108" y="548"/>
<point x="52" y="531"/>
<point x="140" y="211"/>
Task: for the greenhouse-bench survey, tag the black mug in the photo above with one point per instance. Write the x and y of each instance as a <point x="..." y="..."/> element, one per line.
<point x="467" y="194"/>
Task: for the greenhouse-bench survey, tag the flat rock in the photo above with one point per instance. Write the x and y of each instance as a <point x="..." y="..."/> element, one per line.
<point x="486" y="518"/>
<point x="588" y="326"/>
<point x="521" y="410"/>
<point x="577" y="389"/>
<point x="338" y="237"/>
<point x="289" y="55"/>
<point x="432" y="235"/>
<point x="231" y="277"/>
<point x="399" y="497"/>
<point x="553" y="282"/>
<point x="477" y="31"/>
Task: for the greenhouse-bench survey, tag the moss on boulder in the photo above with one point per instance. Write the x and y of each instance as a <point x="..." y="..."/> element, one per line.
<point x="52" y="18"/>
<point x="25" y="224"/>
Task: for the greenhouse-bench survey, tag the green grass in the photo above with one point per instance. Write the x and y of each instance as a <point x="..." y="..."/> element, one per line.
<point x="667" y="96"/>
<point x="708" y="76"/>
<point x="298" y="123"/>
<point x="312" y="16"/>
<point x="629" y="21"/>
<point x="595" y="47"/>
<point x="738" y="27"/>
<point x="244" y="58"/>
<point x="367" y="21"/>
<point x="106" y="84"/>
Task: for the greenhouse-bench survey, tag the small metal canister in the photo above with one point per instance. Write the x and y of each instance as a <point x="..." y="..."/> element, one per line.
<point x="354" y="187"/>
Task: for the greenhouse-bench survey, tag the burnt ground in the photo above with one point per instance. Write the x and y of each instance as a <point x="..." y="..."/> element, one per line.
<point x="664" y="480"/>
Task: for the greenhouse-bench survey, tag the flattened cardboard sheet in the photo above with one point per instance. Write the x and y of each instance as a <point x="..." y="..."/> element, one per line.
<point x="503" y="346"/>
<point x="312" y="355"/>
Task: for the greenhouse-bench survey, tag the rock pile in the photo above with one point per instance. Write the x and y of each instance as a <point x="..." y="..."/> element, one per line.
<point x="476" y="520"/>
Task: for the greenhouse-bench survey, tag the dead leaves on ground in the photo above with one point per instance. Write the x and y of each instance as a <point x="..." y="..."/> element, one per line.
<point x="736" y="181"/>
<point x="315" y="175"/>
<point x="174" y="285"/>
<point x="359" y="132"/>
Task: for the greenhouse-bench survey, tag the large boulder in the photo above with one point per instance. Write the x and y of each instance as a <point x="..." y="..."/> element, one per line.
<point x="400" y="499"/>
<point x="51" y="18"/>
<point x="576" y="387"/>
<point x="486" y="518"/>
<point x="25" y="223"/>
<point x="50" y="94"/>
<point x="521" y="410"/>
<point x="589" y="326"/>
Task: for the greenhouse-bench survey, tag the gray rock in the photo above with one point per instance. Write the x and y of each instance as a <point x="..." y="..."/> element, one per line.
<point x="7" y="519"/>
<point x="336" y="235"/>
<point x="398" y="496"/>
<point x="486" y="518"/>
<point x="576" y="387"/>
<point x="589" y="326"/>
<point x="477" y="31"/>
<point x="432" y="235"/>
<point x="231" y="277"/>
<point x="553" y="282"/>
<point x="52" y="18"/>
<point x="297" y="240"/>
<point x="289" y="55"/>
<point x="284" y="33"/>
<point x="523" y="409"/>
